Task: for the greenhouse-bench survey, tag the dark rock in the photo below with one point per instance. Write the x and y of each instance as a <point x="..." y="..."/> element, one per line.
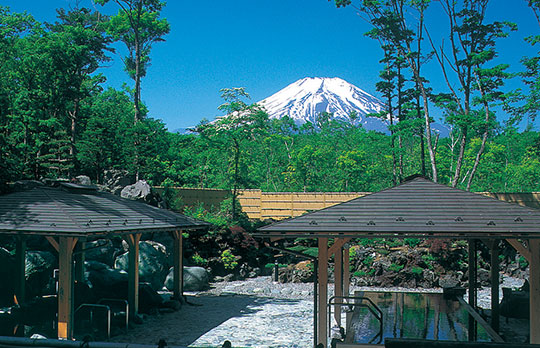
<point x="39" y="267"/>
<point x="515" y="304"/>
<point x="83" y="180"/>
<point x="173" y="304"/>
<point x="101" y="250"/>
<point x="483" y="277"/>
<point x="149" y="299"/>
<point x="195" y="279"/>
<point x="152" y="263"/>
<point x="115" y="180"/>
<point x="448" y="281"/>
<point x="105" y="281"/>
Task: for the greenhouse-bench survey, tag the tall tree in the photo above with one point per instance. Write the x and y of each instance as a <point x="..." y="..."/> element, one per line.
<point x="391" y="24"/>
<point x="138" y="26"/>
<point x="241" y="122"/>
<point x="466" y="63"/>
<point x="78" y="48"/>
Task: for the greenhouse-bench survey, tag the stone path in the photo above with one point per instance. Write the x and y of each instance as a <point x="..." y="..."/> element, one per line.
<point x="252" y="313"/>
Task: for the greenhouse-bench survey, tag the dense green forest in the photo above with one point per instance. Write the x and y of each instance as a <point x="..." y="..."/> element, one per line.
<point x="57" y="120"/>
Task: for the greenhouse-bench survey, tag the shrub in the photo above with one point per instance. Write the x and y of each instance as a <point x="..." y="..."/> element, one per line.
<point x="523" y="263"/>
<point x="417" y="270"/>
<point x="395" y="268"/>
<point x="368" y="261"/>
<point x="199" y="260"/>
<point x="412" y="242"/>
<point x="228" y="259"/>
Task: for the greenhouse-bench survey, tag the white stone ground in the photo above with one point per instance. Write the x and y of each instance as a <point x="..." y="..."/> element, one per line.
<point x="252" y="313"/>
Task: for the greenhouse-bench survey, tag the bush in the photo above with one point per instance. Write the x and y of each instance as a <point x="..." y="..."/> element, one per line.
<point x="412" y="242"/>
<point x="199" y="260"/>
<point x="395" y="268"/>
<point x="417" y="270"/>
<point x="228" y="259"/>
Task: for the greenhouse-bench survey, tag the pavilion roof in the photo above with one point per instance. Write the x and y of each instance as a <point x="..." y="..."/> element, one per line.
<point x="416" y="208"/>
<point x="80" y="211"/>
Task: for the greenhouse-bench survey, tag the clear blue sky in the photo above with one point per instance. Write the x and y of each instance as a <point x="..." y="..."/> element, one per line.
<point x="262" y="45"/>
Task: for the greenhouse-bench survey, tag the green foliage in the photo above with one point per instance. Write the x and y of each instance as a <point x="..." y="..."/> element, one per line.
<point x="199" y="260"/>
<point x="229" y="260"/>
<point x="368" y="261"/>
<point x="417" y="270"/>
<point x="395" y="267"/>
<point x="412" y="242"/>
<point x="522" y="262"/>
<point x="311" y="251"/>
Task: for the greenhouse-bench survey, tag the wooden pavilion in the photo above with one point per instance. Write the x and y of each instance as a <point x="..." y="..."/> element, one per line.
<point x="72" y="214"/>
<point x="419" y="208"/>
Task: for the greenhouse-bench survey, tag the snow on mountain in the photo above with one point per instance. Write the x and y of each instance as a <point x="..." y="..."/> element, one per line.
<point x="305" y="99"/>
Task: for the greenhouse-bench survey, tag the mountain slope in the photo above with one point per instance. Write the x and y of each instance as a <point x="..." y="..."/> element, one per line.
<point x="305" y="99"/>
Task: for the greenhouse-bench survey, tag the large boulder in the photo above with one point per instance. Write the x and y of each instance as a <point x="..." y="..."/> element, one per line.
<point x="195" y="279"/>
<point x="83" y="180"/>
<point x="101" y="250"/>
<point x="115" y="180"/>
<point x="39" y="267"/>
<point x="138" y="191"/>
<point x="152" y="263"/>
<point x="107" y="282"/>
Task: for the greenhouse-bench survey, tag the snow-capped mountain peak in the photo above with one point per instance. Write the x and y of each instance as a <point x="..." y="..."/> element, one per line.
<point x="306" y="98"/>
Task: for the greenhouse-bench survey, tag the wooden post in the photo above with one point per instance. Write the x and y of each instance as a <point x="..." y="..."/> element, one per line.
<point x="323" y="292"/>
<point x="20" y="269"/>
<point x="133" y="272"/>
<point x="338" y="284"/>
<point x="346" y="272"/>
<point x="178" y="271"/>
<point x="472" y="287"/>
<point x="65" y="287"/>
<point x="79" y="262"/>
<point x="494" y="246"/>
<point x="534" y="281"/>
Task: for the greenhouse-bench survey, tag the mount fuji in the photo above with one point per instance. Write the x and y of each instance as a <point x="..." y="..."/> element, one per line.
<point x="305" y="99"/>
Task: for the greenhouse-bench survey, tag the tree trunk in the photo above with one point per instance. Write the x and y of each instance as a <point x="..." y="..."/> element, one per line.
<point x="459" y="162"/>
<point x="235" y="184"/>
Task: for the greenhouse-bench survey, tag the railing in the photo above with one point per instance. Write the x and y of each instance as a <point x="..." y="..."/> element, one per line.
<point x="91" y="308"/>
<point x="114" y="304"/>
<point x="359" y="301"/>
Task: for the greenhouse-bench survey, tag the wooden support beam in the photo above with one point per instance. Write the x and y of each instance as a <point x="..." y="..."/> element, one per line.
<point x="133" y="272"/>
<point x="322" y="321"/>
<point x="534" y="282"/>
<point x="337" y="246"/>
<point x="54" y="243"/>
<point x="178" y="278"/>
<point x="65" y="287"/>
<point x="472" y="287"/>
<point x="338" y="284"/>
<point x="520" y="248"/>
<point x="20" y="269"/>
<point x="495" y="312"/>
<point x="346" y="272"/>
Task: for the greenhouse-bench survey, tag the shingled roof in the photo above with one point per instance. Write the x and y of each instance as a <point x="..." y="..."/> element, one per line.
<point x="79" y="211"/>
<point x="416" y="208"/>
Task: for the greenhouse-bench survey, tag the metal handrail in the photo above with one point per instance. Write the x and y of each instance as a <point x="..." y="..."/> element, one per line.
<point x="371" y="306"/>
<point x="123" y="303"/>
<point x="98" y="306"/>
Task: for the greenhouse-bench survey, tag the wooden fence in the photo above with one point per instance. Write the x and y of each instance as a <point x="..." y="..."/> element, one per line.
<point x="281" y="205"/>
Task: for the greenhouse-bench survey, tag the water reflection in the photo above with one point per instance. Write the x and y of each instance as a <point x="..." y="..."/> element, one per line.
<point x="410" y="315"/>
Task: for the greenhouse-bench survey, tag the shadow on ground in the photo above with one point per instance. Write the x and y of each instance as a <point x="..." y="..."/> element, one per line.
<point x="205" y="313"/>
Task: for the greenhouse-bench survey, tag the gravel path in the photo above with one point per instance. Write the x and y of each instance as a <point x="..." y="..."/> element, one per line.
<point x="252" y="313"/>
